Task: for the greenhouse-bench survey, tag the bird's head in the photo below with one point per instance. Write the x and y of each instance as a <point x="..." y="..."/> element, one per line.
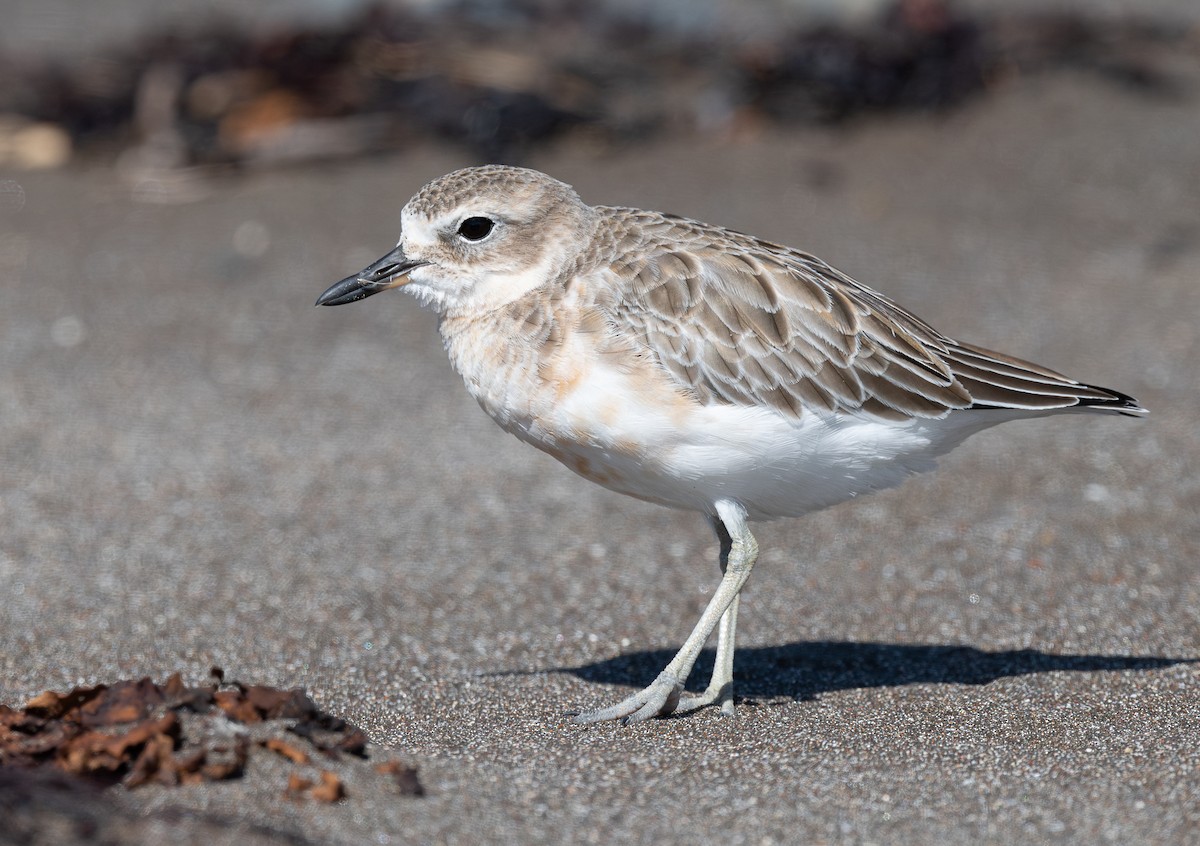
<point x="477" y="239"/>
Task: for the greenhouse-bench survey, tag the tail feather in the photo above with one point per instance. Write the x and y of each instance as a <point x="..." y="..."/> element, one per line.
<point x="999" y="381"/>
<point x="1115" y="401"/>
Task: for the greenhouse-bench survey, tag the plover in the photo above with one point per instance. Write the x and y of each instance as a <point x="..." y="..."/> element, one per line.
<point x="692" y="366"/>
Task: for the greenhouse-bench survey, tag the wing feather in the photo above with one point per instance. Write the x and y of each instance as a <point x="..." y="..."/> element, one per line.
<point x="737" y="320"/>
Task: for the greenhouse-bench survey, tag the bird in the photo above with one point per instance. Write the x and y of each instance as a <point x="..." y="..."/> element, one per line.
<point x="692" y="366"/>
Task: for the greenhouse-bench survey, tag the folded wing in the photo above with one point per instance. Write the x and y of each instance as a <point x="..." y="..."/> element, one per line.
<point x="746" y="322"/>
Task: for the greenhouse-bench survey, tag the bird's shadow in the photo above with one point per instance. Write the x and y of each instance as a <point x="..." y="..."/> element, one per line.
<point x="806" y="669"/>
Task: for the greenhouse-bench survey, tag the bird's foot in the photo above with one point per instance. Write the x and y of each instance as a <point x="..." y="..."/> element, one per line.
<point x="716" y="694"/>
<point x="659" y="699"/>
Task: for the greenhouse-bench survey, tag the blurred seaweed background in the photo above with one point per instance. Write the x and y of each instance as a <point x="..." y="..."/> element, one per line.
<point x="503" y="77"/>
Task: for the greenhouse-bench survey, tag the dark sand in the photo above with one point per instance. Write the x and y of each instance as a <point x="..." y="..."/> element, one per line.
<point x="200" y="468"/>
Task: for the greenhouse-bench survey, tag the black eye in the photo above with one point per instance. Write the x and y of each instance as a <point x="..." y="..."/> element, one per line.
<point x="475" y="228"/>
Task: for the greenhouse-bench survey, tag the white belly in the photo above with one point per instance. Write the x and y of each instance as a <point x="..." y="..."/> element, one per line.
<point x="647" y="445"/>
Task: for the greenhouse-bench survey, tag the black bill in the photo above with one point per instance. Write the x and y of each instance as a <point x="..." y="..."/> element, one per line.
<point x="389" y="272"/>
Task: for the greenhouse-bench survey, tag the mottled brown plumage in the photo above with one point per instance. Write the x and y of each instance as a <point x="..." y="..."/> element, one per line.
<point x="739" y="320"/>
<point x="693" y="366"/>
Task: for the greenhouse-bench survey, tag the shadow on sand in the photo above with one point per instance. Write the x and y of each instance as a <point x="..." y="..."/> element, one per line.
<point x="806" y="669"/>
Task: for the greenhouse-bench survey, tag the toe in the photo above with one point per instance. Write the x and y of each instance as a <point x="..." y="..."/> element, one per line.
<point x="721" y="695"/>
<point x="660" y="698"/>
<point x="614" y="712"/>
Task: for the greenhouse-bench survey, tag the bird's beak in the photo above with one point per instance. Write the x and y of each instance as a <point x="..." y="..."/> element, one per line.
<point x="391" y="271"/>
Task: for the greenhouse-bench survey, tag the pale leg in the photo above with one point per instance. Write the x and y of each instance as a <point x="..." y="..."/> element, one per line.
<point x="663" y="694"/>
<point x="720" y="686"/>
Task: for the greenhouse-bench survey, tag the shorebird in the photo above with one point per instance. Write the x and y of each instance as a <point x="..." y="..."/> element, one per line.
<point x="692" y="366"/>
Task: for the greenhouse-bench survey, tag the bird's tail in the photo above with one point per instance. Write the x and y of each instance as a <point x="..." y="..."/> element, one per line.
<point x="998" y="381"/>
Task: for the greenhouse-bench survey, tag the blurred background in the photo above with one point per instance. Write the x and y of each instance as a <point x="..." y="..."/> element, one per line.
<point x="229" y="85"/>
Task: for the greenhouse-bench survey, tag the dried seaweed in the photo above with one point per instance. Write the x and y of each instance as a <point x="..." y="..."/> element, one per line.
<point x="139" y="732"/>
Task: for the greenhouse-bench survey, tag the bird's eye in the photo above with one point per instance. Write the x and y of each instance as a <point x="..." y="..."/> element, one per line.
<point x="475" y="228"/>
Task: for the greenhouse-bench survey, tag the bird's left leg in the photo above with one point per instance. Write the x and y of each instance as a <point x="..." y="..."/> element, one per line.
<point x="720" y="685"/>
<point x="662" y="696"/>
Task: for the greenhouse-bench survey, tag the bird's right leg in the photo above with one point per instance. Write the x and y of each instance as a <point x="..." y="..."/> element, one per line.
<point x="720" y="685"/>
